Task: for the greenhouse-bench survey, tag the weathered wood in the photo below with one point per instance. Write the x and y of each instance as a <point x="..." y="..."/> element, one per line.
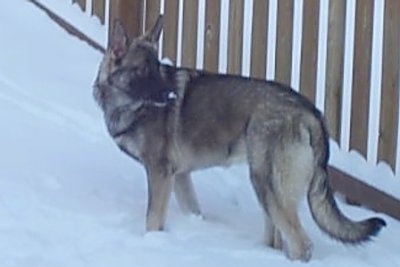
<point x="130" y="13"/>
<point x="99" y="9"/>
<point x="259" y="42"/>
<point x="152" y="13"/>
<point x="389" y="115"/>
<point x="334" y="67"/>
<point x="235" y="36"/>
<point x="284" y="41"/>
<point x="358" y="192"/>
<point x="189" y="38"/>
<point x="170" y="36"/>
<point x="309" y="49"/>
<point x="211" y="35"/>
<point x="81" y="4"/>
<point x="361" y="76"/>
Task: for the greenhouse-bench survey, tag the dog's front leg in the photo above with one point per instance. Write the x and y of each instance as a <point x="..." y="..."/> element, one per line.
<point x="185" y="194"/>
<point x="160" y="183"/>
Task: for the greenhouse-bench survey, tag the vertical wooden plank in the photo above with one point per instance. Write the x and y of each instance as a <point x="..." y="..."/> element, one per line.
<point x="189" y="31"/>
<point x="152" y="13"/>
<point x="388" y="127"/>
<point x="259" y="45"/>
<point x="81" y="3"/>
<point x="170" y="36"/>
<point x="211" y="35"/>
<point x="284" y="39"/>
<point x="130" y="13"/>
<point x="99" y="9"/>
<point x="334" y="67"/>
<point x="235" y="36"/>
<point x="309" y="49"/>
<point x="361" y="75"/>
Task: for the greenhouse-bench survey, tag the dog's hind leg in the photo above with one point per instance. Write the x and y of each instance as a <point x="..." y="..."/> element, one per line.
<point x="297" y="245"/>
<point x="185" y="194"/>
<point x="273" y="177"/>
<point x="283" y="215"/>
<point x="291" y="175"/>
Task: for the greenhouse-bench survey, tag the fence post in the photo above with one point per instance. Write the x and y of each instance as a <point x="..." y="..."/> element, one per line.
<point x="259" y="43"/>
<point x="284" y="41"/>
<point x="81" y="3"/>
<point x="388" y="127"/>
<point x="235" y="36"/>
<point x="361" y="76"/>
<point x="211" y="35"/>
<point x="170" y="36"/>
<point x="152" y="13"/>
<point x="98" y="9"/>
<point x="189" y="33"/>
<point x="130" y="13"/>
<point x="309" y="49"/>
<point x="334" y="67"/>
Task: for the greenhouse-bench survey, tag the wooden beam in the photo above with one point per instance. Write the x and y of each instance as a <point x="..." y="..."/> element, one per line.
<point x="358" y="192"/>
<point x="259" y="42"/>
<point x="170" y="36"/>
<point x="334" y="67"/>
<point x="284" y="41"/>
<point x="361" y="76"/>
<point x="152" y="13"/>
<point x="235" y="36"/>
<point x="388" y="143"/>
<point x="189" y="44"/>
<point x="81" y="4"/>
<point x="211" y="35"/>
<point x="309" y="49"/>
<point x="130" y="13"/>
<point x="99" y="9"/>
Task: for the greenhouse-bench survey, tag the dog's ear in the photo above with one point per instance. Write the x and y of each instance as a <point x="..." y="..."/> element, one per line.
<point x="118" y="42"/>
<point x="153" y="35"/>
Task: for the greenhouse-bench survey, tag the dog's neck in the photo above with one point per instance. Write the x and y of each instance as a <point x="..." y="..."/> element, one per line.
<point x="123" y="120"/>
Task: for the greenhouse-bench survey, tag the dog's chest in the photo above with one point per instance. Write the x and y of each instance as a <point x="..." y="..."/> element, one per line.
<point x="131" y="144"/>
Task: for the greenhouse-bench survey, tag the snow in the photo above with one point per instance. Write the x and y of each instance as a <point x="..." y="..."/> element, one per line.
<point x="69" y="197"/>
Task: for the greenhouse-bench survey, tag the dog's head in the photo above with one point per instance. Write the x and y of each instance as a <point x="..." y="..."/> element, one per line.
<point x="132" y="66"/>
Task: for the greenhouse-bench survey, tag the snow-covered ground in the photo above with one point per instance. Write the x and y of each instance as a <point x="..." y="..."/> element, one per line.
<point x="69" y="197"/>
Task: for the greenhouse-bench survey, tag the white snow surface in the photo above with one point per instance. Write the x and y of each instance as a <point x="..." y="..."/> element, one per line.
<point x="69" y="197"/>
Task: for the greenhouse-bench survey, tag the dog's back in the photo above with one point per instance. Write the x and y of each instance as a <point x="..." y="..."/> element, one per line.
<point x="216" y="119"/>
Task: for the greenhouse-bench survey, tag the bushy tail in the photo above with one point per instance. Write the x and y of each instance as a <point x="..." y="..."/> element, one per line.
<point x="321" y="201"/>
<point x="330" y="219"/>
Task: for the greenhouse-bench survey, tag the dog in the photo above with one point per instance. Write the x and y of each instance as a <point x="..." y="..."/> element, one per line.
<point x="176" y="120"/>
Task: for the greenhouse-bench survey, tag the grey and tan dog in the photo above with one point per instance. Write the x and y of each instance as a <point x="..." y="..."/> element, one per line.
<point x="176" y="120"/>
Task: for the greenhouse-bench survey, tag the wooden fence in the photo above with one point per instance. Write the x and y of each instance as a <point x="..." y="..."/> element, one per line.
<point x="139" y="15"/>
<point x="221" y="40"/>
